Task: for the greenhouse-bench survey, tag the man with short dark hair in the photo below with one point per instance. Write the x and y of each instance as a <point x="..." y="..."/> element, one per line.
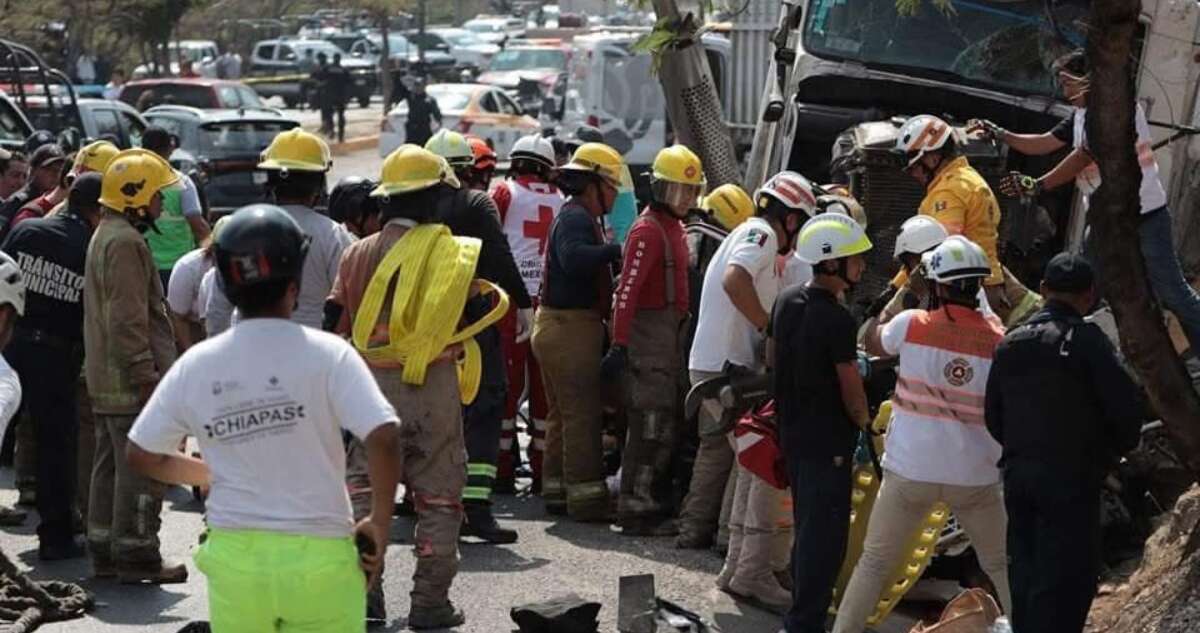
<point x="1064" y="411"/>
<point x="47" y="352"/>
<point x="45" y="168"/>
<point x="14" y="171"/>
<point x="181" y="226"/>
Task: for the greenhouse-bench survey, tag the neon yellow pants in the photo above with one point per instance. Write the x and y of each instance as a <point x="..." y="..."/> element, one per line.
<point x="262" y="581"/>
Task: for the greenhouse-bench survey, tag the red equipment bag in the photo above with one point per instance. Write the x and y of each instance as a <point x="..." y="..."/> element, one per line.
<point x="757" y="443"/>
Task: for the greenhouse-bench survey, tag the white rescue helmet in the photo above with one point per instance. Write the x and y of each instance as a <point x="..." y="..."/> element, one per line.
<point x="918" y="234"/>
<point x="920" y="134"/>
<point x="12" y="284"/>
<point x="831" y="236"/>
<point x="534" y="147"/>
<point x="955" y="259"/>
<point x="791" y="190"/>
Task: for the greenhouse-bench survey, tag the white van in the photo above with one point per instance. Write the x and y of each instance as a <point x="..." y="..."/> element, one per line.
<point x="612" y="88"/>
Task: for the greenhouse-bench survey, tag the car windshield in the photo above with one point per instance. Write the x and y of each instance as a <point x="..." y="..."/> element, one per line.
<point x="485" y="27"/>
<point x="529" y="59"/>
<point x="451" y="99"/>
<point x="1000" y="45"/>
<point x="40" y="116"/>
<point x="12" y="128"/>
<point x="193" y="95"/>
<point x="462" y="38"/>
<point x="239" y="139"/>
<point x="397" y="44"/>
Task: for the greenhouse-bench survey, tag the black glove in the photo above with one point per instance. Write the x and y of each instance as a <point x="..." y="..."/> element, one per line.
<point x="614" y="362"/>
<point x="1018" y="185"/>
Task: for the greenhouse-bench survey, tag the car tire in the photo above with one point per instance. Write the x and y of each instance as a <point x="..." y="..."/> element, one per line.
<point x="364" y="100"/>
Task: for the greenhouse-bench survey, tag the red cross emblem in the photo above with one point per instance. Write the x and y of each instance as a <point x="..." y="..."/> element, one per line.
<point x="540" y="228"/>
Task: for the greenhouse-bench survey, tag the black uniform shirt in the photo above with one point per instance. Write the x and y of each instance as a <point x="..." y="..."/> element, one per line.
<point x="422" y="110"/>
<point x="470" y="213"/>
<point x="51" y="253"/>
<point x="812" y="333"/>
<point x="1058" y="397"/>
<point x="577" y="275"/>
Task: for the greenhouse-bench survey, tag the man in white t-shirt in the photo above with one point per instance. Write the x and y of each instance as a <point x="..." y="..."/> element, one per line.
<point x="938" y="447"/>
<point x="740" y="285"/>
<point x="267" y="402"/>
<point x="1154" y="231"/>
<point x="12" y="306"/>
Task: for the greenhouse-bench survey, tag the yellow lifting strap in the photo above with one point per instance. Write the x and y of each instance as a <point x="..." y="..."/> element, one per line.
<point x="437" y="271"/>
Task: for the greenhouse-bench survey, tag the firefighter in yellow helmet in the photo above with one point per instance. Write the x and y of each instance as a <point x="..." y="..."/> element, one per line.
<point x="128" y="347"/>
<point x="568" y="333"/>
<point x="410" y="352"/>
<point x="649" y="308"/>
<point x="296" y="164"/>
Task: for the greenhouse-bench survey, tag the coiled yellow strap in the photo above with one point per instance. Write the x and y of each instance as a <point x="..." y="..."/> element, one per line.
<point x="436" y="272"/>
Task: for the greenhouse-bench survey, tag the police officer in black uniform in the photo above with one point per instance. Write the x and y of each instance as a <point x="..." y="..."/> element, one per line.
<point x="1064" y="410"/>
<point x="422" y="111"/>
<point x="47" y="353"/>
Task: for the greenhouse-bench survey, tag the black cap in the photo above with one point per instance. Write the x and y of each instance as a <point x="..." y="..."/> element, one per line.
<point x="1068" y="272"/>
<point x="85" y="191"/>
<point x="47" y="155"/>
<point x="156" y="137"/>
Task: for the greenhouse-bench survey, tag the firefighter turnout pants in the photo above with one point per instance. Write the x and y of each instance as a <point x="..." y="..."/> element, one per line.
<point x="123" y="507"/>
<point x="711" y="472"/>
<point x="524" y="379"/>
<point x="568" y="345"/>
<point x="650" y="392"/>
<point x="481" y="418"/>
<point x="760" y="529"/>
<point x="433" y="466"/>
<point x="902" y="505"/>
<point x="1054" y="544"/>
<point x="48" y="373"/>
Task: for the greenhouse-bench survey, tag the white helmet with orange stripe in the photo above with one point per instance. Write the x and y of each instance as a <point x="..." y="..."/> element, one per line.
<point x="921" y="134"/>
<point x="789" y="189"/>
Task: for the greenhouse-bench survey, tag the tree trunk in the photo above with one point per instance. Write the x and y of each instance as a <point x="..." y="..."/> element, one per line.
<point x="1115" y="215"/>
<point x="694" y="105"/>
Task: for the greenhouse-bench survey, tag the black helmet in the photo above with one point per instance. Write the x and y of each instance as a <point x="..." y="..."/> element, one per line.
<point x="38" y="139"/>
<point x="351" y="199"/>
<point x="259" y="243"/>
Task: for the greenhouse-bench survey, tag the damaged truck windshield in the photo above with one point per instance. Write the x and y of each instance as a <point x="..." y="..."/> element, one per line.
<point x="1006" y="46"/>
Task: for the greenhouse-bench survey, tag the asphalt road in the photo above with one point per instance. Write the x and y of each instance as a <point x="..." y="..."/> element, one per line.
<point x="552" y="557"/>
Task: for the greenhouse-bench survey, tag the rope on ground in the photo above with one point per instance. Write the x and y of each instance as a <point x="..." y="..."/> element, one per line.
<point x="26" y="604"/>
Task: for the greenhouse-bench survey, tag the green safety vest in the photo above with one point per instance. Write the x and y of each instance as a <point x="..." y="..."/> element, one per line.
<point x="174" y="238"/>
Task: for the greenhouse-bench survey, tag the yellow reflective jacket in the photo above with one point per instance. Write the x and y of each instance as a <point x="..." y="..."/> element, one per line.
<point x="963" y="202"/>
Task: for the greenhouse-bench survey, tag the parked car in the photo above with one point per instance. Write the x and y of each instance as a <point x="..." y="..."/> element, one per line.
<point x="496" y="29"/>
<point x="14" y="127"/>
<point x="202" y="53"/>
<point x="288" y="59"/>
<point x="469" y="51"/>
<point x="485" y="111"/>
<point x="528" y="72"/>
<point x="99" y="117"/>
<point x="222" y="147"/>
<point x="197" y="93"/>
<point x="404" y="55"/>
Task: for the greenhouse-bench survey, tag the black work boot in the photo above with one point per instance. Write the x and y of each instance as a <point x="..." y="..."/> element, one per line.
<point x="442" y="617"/>
<point x="479" y="522"/>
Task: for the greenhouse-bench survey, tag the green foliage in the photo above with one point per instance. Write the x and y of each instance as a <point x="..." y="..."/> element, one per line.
<point x="668" y="34"/>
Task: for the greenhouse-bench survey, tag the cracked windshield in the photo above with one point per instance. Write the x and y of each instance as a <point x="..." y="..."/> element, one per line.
<point x="999" y="45"/>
